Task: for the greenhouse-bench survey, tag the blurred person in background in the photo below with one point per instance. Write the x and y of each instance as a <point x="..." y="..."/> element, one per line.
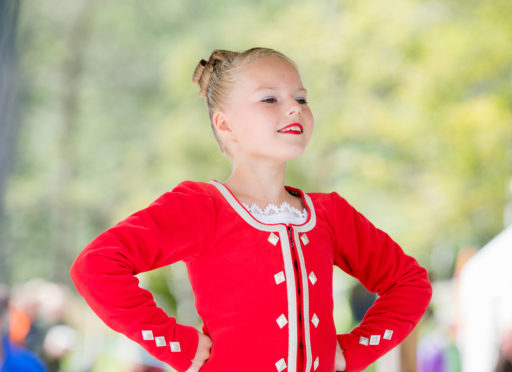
<point x="57" y="344"/>
<point x="27" y="327"/>
<point x="436" y="350"/>
<point x="37" y="309"/>
<point x="505" y="359"/>
<point x="14" y="358"/>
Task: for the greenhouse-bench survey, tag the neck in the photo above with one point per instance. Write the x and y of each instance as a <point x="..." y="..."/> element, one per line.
<point x="258" y="181"/>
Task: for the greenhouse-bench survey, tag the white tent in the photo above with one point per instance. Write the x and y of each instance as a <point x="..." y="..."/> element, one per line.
<point x="485" y="303"/>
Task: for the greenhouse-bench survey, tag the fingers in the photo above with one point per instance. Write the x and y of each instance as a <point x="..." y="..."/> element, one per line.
<point x="203" y="349"/>
<point x="340" y="362"/>
<point x="202" y="353"/>
<point x="192" y="368"/>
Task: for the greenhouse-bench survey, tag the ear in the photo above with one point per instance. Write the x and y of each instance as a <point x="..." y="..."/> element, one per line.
<point x="222" y="124"/>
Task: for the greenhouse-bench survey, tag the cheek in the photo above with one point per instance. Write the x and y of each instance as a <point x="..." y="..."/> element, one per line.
<point x="310" y="118"/>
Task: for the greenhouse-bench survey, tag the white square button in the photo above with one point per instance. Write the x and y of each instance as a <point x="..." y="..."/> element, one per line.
<point x="312" y="278"/>
<point x="374" y="339"/>
<point x="364" y="340"/>
<point x="273" y="238"/>
<point x="175" y="346"/>
<point x="304" y="239"/>
<point x="388" y="334"/>
<point x="160" y="341"/>
<point x="147" y="335"/>
<point x="280" y="364"/>
<point x="315" y="320"/>
<point x="281" y="321"/>
<point x="315" y="364"/>
<point x="279" y="277"/>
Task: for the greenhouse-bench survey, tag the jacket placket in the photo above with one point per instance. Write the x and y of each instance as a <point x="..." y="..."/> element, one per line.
<point x="300" y="327"/>
<point x="295" y="276"/>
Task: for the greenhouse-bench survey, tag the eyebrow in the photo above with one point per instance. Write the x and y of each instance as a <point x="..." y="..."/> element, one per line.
<point x="276" y="88"/>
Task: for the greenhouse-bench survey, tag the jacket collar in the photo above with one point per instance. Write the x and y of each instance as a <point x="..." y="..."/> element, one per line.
<point x="251" y="220"/>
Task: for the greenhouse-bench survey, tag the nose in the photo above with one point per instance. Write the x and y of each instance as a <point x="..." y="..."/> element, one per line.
<point x="294" y="107"/>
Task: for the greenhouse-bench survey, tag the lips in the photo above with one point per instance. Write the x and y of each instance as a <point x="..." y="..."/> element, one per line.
<point x="293" y="128"/>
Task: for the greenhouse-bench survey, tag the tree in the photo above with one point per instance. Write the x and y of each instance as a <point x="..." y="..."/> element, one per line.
<point x="8" y="91"/>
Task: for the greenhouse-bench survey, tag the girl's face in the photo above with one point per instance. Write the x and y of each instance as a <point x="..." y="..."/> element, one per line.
<point x="267" y="97"/>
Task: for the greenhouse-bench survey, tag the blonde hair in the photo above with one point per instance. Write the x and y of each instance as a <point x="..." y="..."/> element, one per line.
<point x="216" y="76"/>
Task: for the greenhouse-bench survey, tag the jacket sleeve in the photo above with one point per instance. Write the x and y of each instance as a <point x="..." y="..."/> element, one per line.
<point x="174" y="227"/>
<point x="403" y="287"/>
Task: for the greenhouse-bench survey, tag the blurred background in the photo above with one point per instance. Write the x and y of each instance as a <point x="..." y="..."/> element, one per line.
<point x="413" y="110"/>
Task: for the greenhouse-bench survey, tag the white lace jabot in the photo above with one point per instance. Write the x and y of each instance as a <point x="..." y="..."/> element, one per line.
<point x="273" y="214"/>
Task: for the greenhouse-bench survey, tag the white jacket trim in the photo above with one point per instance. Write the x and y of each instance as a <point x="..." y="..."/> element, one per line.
<point x="288" y="268"/>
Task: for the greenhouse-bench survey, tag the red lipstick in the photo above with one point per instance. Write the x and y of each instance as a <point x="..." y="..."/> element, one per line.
<point x="297" y="130"/>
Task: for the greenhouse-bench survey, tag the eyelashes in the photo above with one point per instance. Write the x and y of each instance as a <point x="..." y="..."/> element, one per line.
<point x="302" y="101"/>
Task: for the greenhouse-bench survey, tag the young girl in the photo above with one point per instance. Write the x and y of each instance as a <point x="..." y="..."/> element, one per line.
<point x="259" y="253"/>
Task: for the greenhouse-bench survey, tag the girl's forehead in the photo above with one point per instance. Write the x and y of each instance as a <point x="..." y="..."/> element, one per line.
<point x="269" y="71"/>
<point x="268" y="64"/>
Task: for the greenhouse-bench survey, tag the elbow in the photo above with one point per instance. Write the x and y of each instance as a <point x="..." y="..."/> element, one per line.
<point x="91" y="262"/>
<point x="83" y="268"/>
<point x="77" y="271"/>
<point x="428" y="285"/>
<point x="422" y="287"/>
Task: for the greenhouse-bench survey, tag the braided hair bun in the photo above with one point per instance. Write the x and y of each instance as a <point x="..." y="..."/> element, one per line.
<point x="205" y="70"/>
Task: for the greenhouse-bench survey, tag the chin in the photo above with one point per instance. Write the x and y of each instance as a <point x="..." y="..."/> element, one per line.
<point x="284" y="155"/>
<point x="290" y="155"/>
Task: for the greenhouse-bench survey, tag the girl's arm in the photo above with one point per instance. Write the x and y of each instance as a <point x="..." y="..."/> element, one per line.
<point x="174" y="227"/>
<point x="370" y="255"/>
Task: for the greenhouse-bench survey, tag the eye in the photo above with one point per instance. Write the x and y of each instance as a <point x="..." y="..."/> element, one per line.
<point x="269" y="100"/>
<point x="302" y="101"/>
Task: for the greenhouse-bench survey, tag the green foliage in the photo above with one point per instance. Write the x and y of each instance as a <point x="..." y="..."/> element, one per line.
<point x="411" y="99"/>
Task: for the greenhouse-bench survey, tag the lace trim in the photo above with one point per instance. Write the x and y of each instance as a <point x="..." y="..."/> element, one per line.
<point x="272" y="210"/>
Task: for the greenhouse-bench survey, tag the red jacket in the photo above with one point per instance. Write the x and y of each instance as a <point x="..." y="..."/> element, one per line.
<point x="261" y="312"/>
